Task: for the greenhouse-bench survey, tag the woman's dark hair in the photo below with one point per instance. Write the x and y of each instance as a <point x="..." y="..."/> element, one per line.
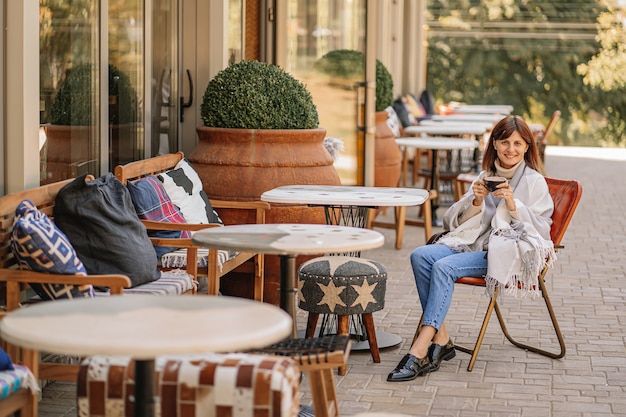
<point x="503" y="130"/>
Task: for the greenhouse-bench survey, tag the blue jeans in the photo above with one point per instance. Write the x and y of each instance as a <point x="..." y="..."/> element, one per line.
<point x="436" y="268"/>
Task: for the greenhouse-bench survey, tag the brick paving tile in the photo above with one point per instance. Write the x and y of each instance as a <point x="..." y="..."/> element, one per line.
<point x="587" y="291"/>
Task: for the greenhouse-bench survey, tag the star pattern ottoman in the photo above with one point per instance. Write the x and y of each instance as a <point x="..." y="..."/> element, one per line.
<point x="343" y="286"/>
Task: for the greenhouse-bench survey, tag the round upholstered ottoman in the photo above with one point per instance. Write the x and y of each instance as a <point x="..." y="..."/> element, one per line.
<point x="345" y="286"/>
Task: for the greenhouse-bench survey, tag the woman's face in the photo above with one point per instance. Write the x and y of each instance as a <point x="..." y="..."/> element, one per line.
<point x="510" y="150"/>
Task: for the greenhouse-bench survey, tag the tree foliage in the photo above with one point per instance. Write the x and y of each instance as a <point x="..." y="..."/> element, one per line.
<point x="524" y="53"/>
<point x="607" y="69"/>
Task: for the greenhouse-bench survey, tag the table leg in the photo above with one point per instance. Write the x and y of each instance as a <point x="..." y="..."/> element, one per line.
<point x="145" y="388"/>
<point x="434" y="185"/>
<point x="287" y="290"/>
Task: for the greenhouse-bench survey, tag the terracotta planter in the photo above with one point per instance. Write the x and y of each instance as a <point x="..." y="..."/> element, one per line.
<point x="388" y="165"/>
<point x="241" y="164"/>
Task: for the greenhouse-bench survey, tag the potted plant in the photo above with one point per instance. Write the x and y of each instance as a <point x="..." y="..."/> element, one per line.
<point x="260" y="132"/>
<point x="69" y="133"/>
<point x="345" y="66"/>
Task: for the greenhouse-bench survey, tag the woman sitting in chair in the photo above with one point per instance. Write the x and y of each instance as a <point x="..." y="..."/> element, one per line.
<point x="513" y="220"/>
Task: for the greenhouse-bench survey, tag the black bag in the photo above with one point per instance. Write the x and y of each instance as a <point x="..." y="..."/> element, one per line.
<point x="99" y="219"/>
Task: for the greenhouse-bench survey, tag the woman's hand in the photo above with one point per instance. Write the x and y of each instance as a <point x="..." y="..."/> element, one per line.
<point x="480" y="192"/>
<point x="505" y="192"/>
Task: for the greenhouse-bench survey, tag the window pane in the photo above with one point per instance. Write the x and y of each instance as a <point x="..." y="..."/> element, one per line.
<point x="68" y="88"/>
<point x="316" y="28"/>
<point x="126" y="80"/>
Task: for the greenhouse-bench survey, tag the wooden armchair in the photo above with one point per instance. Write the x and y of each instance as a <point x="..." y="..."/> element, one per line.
<point x="218" y="264"/>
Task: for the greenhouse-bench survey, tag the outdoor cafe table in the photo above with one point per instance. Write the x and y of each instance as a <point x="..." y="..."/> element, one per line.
<point x="468" y="117"/>
<point x="503" y="109"/>
<point x="457" y="124"/>
<point x="443" y="130"/>
<point x="348" y="204"/>
<point x="435" y="144"/>
<point x="287" y="240"/>
<point x="144" y="327"/>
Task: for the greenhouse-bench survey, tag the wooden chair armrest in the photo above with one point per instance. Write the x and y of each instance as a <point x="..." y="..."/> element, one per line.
<point x="249" y="205"/>
<point x="15" y="277"/>
<point x="19" y="275"/>
<point x="152" y="225"/>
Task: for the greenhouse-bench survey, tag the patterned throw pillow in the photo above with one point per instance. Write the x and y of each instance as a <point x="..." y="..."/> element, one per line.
<point x="152" y="203"/>
<point x="39" y="245"/>
<point x="393" y="121"/>
<point x="184" y="187"/>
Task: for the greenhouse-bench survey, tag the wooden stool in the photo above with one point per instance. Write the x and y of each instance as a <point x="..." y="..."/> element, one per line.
<point x="317" y="356"/>
<point x="343" y="286"/>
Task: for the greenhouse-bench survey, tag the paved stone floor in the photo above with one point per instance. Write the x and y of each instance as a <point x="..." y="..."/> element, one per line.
<point x="587" y="289"/>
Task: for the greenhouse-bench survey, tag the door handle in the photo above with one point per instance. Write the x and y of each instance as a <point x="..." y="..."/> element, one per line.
<point x="184" y="104"/>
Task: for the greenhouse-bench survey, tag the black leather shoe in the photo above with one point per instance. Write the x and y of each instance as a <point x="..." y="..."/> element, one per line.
<point x="409" y="368"/>
<point x="438" y="353"/>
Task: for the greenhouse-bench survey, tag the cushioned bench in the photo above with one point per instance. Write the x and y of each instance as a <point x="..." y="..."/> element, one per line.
<point x="236" y="384"/>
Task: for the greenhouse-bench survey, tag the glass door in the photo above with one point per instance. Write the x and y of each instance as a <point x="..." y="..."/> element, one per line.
<point x="316" y="28"/>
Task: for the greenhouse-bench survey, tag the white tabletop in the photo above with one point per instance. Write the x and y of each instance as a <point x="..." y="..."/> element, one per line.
<point x="490" y="118"/>
<point x="437" y="143"/>
<point x="445" y="130"/>
<point x="145" y="326"/>
<point x="459" y="124"/>
<point x="343" y="195"/>
<point x="483" y="108"/>
<point x="289" y="239"/>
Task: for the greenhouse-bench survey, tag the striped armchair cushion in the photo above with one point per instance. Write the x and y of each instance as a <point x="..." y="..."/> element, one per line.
<point x="178" y="258"/>
<point x="174" y="282"/>
<point x="15" y="379"/>
<point x="234" y="384"/>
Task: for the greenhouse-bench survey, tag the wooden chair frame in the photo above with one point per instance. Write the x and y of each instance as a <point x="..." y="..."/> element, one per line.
<point x="152" y="166"/>
<point x="566" y="194"/>
<point x="23" y="400"/>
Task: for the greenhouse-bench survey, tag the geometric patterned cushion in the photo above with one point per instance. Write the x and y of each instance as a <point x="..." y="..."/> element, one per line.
<point x="184" y="187"/>
<point x="152" y="203"/>
<point x="39" y="245"/>
<point x="342" y="285"/>
<point x="235" y="384"/>
<point x="13" y="380"/>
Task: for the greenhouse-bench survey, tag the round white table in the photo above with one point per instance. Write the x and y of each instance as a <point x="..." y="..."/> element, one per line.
<point x="504" y="109"/>
<point x="349" y="204"/>
<point x="459" y="124"/>
<point x="289" y="240"/>
<point x="435" y="144"/>
<point x="444" y="130"/>
<point x="468" y="117"/>
<point x="144" y="327"/>
<point x="345" y="195"/>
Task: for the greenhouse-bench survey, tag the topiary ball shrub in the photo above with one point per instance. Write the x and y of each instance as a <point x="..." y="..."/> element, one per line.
<point x="257" y="95"/>
<point x="72" y="104"/>
<point x="350" y="64"/>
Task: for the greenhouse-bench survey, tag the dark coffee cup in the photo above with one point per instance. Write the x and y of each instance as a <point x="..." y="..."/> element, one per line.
<point x="492" y="182"/>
